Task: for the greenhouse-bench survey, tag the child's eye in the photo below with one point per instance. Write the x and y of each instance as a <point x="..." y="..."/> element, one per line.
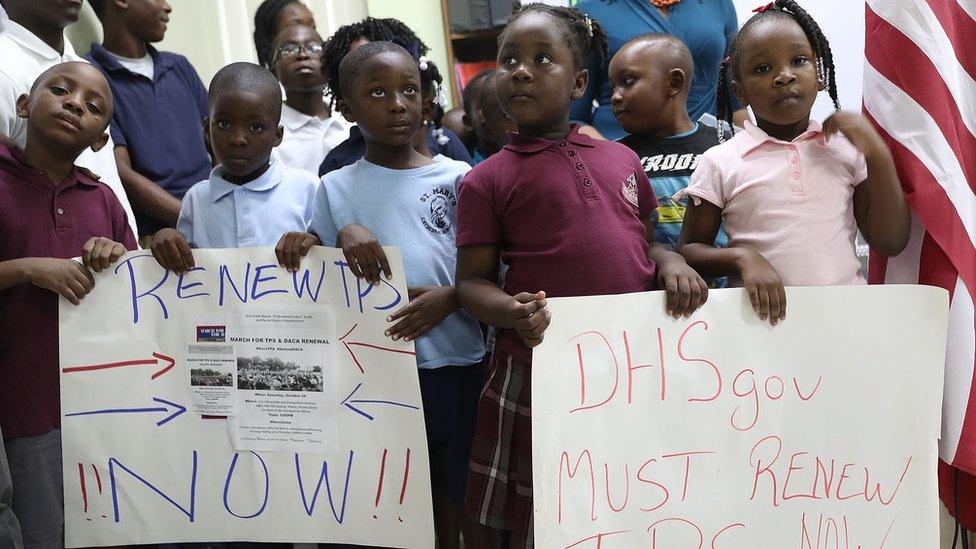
<point x="543" y="59"/>
<point x="255" y="127"/>
<point x="761" y="69"/>
<point x="801" y="60"/>
<point x="508" y="60"/>
<point x="377" y="92"/>
<point x="58" y="90"/>
<point x="223" y="124"/>
<point x="410" y="90"/>
<point x="629" y="81"/>
<point x="93" y="108"/>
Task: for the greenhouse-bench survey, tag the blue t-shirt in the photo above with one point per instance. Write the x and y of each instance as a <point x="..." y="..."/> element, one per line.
<point x="705" y="26"/>
<point x="413" y="210"/>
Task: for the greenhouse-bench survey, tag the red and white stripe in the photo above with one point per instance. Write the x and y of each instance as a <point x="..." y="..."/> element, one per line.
<point x="920" y="91"/>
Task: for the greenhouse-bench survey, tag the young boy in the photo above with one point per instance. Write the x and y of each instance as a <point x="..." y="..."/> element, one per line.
<point x="651" y="76"/>
<point x="50" y="211"/>
<point x="407" y="200"/>
<point x="311" y="131"/>
<point x="159" y="103"/>
<point x="495" y="124"/>
<point x="249" y="199"/>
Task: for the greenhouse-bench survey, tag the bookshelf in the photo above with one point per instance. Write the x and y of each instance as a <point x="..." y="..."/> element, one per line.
<point x="468" y="53"/>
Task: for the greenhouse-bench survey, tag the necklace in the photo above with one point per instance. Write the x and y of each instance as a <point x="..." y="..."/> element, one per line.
<point x="664" y="3"/>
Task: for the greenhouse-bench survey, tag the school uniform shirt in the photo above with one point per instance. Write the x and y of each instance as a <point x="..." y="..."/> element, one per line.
<point x="308" y="139"/>
<point x="25" y="57"/>
<point x="219" y="214"/>
<point x="793" y="202"/>
<point x="567" y="215"/>
<point x="41" y="219"/>
<point x="159" y="120"/>
<point x="413" y="210"/>
<point x="354" y="148"/>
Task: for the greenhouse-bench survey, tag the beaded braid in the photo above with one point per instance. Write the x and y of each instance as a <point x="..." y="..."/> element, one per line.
<point x="265" y="19"/>
<point x="582" y="34"/>
<point x="821" y="49"/>
<point x="431" y="82"/>
<point x="376" y="30"/>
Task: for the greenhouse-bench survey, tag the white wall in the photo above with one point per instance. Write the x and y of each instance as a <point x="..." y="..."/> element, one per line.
<point x="842" y="21"/>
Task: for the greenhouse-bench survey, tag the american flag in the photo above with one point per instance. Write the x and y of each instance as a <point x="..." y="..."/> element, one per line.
<point x="920" y="92"/>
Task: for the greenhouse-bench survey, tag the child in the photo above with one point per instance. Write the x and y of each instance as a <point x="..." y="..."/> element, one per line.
<point x="50" y="211"/>
<point x="650" y="77"/>
<point x="311" y="131"/>
<point x="346" y="39"/>
<point x="432" y="97"/>
<point x="792" y="194"/>
<point x="249" y="200"/>
<point x="560" y="209"/>
<point x="495" y="124"/>
<point x="272" y="17"/>
<point x="159" y="102"/>
<point x="407" y="200"/>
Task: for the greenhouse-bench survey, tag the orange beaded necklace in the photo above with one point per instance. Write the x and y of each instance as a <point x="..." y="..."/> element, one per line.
<point x="664" y="3"/>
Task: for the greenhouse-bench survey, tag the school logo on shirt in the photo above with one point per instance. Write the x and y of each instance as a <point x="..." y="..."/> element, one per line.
<point x="630" y="189"/>
<point x="439" y="210"/>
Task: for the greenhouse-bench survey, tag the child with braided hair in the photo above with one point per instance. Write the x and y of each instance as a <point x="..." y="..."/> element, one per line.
<point x="560" y="209"/>
<point x="792" y="194"/>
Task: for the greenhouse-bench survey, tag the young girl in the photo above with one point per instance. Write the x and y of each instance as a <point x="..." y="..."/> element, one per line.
<point x="433" y="97"/>
<point x="561" y="210"/>
<point x="792" y="194"/>
<point x="272" y="17"/>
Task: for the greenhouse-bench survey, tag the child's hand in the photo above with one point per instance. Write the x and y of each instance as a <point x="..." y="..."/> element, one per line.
<point x="364" y="254"/>
<point x="65" y="277"/>
<point x="171" y="251"/>
<point x="686" y="290"/>
<point x="529" y="316"/>
<point x="99" y="253"/>
<point x="292" y="247"/>
<point x="765" y="287"/>
<point x="423" y="313"/>
<point x="857" y="129"/>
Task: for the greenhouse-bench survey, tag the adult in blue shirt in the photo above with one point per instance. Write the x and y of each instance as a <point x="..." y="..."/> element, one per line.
<point x="707" y="27"/>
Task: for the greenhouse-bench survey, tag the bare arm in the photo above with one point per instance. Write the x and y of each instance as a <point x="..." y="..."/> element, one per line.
<point x="686" y="290"/>
<point x="146" y="197"/>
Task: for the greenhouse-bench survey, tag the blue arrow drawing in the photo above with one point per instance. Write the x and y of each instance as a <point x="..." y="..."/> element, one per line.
<point x="348" y="403"/>
<point x="177" y="410"/>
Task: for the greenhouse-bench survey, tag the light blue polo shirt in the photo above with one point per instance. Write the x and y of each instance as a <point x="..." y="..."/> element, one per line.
<point x="220" y="214"/>
<point x="413" y="210"/>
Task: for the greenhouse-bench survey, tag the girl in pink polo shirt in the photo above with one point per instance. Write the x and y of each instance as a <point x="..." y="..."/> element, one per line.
<point x="792" y="194"/>
<point x="570" y="216"/>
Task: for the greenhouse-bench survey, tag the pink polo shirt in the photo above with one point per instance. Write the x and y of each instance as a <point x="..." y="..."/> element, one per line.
<point x="791" y="202"/>
<point x="566" y="215"/>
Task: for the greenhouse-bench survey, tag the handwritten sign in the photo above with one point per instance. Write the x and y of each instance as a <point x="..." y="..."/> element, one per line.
<point x="719" y="431"/>
<point x="298" y="361"/>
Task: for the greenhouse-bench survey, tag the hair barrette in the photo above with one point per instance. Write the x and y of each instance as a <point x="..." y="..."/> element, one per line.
<point x="768" y="6"/>
<point x="422" y="63"/>
<point x="589" y="27"/>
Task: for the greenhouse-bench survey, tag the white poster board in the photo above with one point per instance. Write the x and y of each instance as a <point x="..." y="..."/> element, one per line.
<point x="719" y="431"/>
<point x="325" y="439"/>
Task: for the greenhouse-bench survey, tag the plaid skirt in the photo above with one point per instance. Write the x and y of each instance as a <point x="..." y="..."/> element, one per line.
<point x="500" y="474"/>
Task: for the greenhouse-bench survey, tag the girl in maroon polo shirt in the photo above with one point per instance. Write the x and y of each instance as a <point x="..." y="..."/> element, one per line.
<point x="570" y="216"/>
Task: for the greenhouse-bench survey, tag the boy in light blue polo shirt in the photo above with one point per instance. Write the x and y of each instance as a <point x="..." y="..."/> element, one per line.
<point x="248" y="200"/>
<point x="398" y="197"/>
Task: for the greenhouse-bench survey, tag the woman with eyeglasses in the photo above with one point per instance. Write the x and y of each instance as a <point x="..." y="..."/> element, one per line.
<point x="311" y="130"/>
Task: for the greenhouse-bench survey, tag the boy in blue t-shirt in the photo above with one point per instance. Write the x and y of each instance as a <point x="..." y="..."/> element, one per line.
<point x="651" y="77"/>
<point x="249" y="199"/>
<point x="407" y="200"/>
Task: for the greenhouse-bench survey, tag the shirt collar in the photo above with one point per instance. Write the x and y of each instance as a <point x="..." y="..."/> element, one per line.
<point x="111" y="63"/>
<point x="753" y="137"/>
<point x="520" y="144"/>
<point x="220" y="187"/>
<point x="29" y="41"/>
<point x="294" y="120"/>
<point x="12" y="161"/>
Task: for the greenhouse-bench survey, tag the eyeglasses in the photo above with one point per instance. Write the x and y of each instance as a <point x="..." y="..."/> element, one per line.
<point x="292" y="50"/>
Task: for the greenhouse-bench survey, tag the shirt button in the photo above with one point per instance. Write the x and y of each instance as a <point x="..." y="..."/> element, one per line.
<point x="244" y="211"/>
<point x="562" y="143"/>
<point x="240" y="191"/>
<point x="587" y="183"/>
<point x="572" y="153"/>
<point x="579" y="166"/>
<point x="796" y="176"/>
<point x="60" y="211"/>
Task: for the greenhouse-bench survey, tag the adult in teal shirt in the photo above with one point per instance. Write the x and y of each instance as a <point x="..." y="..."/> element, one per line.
<point x="707" y="27"/>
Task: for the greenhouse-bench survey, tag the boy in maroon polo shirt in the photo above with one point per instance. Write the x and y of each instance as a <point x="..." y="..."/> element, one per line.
<point x="570" y="216"/>
<point x="50" y="211"/>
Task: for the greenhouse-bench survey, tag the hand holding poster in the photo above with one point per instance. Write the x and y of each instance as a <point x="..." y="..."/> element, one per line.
<point x="719" y="431"/>
<point x="324" y="433"/>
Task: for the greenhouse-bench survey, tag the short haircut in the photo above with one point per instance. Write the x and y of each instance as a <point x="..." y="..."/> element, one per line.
<point x="473" y="93"/>
<point x="678" y="53"/>
<point x="99" y="7"/>
<point x="248" y="77"/>
<point x="352" y="63"/>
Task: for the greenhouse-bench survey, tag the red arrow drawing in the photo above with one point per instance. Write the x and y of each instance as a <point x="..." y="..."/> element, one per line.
<point x="155" y="360"/>
<point x="349" y="344"/>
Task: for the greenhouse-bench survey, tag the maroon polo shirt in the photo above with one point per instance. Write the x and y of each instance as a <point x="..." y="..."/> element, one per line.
<point x="567" y="215"/>
<point x="39" y="219"/>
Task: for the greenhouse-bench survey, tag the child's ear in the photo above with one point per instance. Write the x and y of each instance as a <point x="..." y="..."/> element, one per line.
<point x="676" y="82"/>
<point x="122" y="4"/>
<point x="579" y="85"/>
<point x="427" y="109"/>
<point x="346" y="111"/>
<point x="100" y="142"/>
<point x="23" y="106"/>
<point x="467" y="123"/>
<point x="279" y="135"/>
<point x="206" y="134"/>
<point x="737" y="90"/>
